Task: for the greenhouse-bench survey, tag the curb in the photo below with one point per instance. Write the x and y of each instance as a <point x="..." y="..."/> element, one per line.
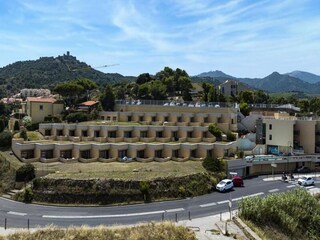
<point x="246" y="230"/>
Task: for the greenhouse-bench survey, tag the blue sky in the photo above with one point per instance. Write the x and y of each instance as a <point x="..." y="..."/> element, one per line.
<point x="243" y="38"/>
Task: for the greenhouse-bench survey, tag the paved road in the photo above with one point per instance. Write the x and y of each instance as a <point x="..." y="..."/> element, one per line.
<point x="17" y="214"/>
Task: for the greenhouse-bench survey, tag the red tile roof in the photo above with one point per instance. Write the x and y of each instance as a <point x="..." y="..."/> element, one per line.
<point x="89" y="103"/>
<point x="40" y="99"/>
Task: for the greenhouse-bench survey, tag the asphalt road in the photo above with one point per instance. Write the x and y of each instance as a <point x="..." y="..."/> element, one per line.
<point x="18" y="214"/>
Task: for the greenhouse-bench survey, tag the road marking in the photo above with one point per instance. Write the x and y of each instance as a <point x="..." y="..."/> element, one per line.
<point x="222" y="202"/>
<point x="208" y="205"/>
<point x="175" y="210"/>
<point x="243" y="197"/>
<point x="309" y="187"/>
<point x="291" y="186"/>
<point x="273" y="190"/>
<point x="105" y="216"/>
<point x="17" y="213"/>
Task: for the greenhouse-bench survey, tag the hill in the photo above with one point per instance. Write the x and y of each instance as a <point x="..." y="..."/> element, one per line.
<point x="46" y="72"/>
<point x="305" y="76"/>
<point x="214" y="74"/>
<point x="274" y="82"/>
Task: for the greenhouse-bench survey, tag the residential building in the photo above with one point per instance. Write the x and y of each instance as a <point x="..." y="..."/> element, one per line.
<point x="39" y="107"/>
<point x="87" y="106"/>
<point x="232" y="87"/>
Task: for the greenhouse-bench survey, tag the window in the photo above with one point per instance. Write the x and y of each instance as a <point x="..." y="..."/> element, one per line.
<point x="270" y="137"/>
<point x="175" y="153"/>
<point x="47" y="132"/>
<point x="41" y="107"/>
<point x="66" y="154"/>
<point x="179" y="119"/>
<point x="85" y="154"/>
<point x="104" y="154"/>
<point x="154" y="119"/>
<point x="60" y="132"/>
<point x="27" y="154"/>
<point x="47" y="154"/>
<point x="193" y="153"/>
<point x="122" y="153"/>
<point x="96" y="134"/>
<point x="71" y="133"/>
<point x="206" y="120"/>
<point x="160" y="134"/>
<point x="191" y="119"/>
<point x="128" y="134"/>
<point x="175" y="135"/>
<point x="141" y="118"/>
<point x="190" y="134"/>
<point x="270" y="126"/>
<point x="140" y="154"/>
<point x="112" y="134"/>
<point x="166" y="119"/>
<point x="143" y="134"/>
<point x="158" y="153"/>
<point x="129" y="118"/>
<point x="85" y="133"/>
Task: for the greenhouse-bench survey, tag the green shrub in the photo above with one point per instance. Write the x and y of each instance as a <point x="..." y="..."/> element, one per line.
<point x="144" y="188"/>
<point x="5" y="139"/>
<point x="23" y="134"/>
<point x="214" y="165"/>
<point x="16" y="126"/>
<point x="215" y="131"/>
<point x="231" y="137"/>
<point x="52" y="119"/>
<point x="294" y="213"/>
<point x="78" y="117"/>
<point x="27" y="195"/>
<point x="25" y="173"/>
<point x="240" y="154"/>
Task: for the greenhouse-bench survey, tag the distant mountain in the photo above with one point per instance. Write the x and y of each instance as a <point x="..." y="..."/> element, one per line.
<point x="274" y="82"/>
<point x="305" y="76"/>
<point x="46" y="72"/>
<point x="214" y="74"/>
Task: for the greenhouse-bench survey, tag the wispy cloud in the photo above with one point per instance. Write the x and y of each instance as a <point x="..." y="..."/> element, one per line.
<point x="240" y="37"/>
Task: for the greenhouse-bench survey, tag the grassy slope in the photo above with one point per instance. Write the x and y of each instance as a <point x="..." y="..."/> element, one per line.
<point x="150" y="231"/>
<point x="125" y="171"/>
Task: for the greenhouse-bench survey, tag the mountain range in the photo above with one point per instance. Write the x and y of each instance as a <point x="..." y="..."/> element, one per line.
<point x="275" y="82"/>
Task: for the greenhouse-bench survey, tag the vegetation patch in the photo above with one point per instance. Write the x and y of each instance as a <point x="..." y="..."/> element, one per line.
<point x="7" y="176"/>
<point x="159" y="231"/>
<point x="294" y="214"/>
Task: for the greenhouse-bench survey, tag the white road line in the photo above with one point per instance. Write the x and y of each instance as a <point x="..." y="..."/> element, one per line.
<point x="273" y="190"/>
<point x="243" y="197"/>
<point x="208" y="205"/>
<point x="17" y="213"/>
<point x="309" y="187"/>
<point x="222" y="202"/>
<point x="175" y="210"/>
<point x="104" y="216"/>
<point x="291" y="186"/>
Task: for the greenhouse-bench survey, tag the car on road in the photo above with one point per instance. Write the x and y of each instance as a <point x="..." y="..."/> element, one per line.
<point x="303" y="169"/>
<point x="306" y="181"/>
<point x="224" y="185"/>
<point x="237" y="181"/>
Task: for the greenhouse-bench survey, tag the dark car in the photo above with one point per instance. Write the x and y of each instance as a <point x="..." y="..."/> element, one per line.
<point x="303" y="169"/>
<point x="237" y="181"/>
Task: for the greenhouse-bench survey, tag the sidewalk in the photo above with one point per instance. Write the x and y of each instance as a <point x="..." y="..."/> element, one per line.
<point x="278" y="177"/>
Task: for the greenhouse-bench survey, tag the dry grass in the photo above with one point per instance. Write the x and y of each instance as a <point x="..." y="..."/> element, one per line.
<point x="32" y="136"/>
<point x="151" y="231"/>
<point x="124" y="171"/>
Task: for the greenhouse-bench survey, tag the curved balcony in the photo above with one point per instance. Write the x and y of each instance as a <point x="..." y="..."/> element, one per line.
<point x="165" y="159"/>
<point x="107" y="160"/>
<point x="30" y="160"/>
<point x="68" y="160"/>
<point x="100" y="139"/>
<point x="147" y="139"/>
<point x="115" y="140"/>
<point x="197" y="158"/>
<point x="88" y="160"/>
<point x="131" y="140"/>
<point x="49" y="160"/>
<point x="180" y="159"/>
<point x="195" y="124"/>
<point x="194" y="139"/>
<point x="210" y="140"/>
<point x="163" y="139"/>
<point x="87" y="139"/>
<point x="144" y="160"/>
<point x="62" y="138"/>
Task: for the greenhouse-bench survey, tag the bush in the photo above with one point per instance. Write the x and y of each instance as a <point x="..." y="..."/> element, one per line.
<point x="27" y="195"/>
<point x="5" y="139"/>
<point x="144" y="188"/>
<point x="214" y="165"/>
<point x="52" y="119"/>
<point x="77" y="117"/>
<point x="215" y="131"/>
<point x="295" y="213"/>
<point x="27" y="121"/>
<point x="23" y="134"/>
<point x="25" y="173"/>
<point x="16" y="126"/>
<point x="231" y="137"/>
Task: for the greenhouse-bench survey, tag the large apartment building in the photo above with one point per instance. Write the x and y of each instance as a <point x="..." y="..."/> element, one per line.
<point x="135" y="131"/>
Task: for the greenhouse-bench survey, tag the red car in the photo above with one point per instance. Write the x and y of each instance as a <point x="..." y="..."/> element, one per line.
<point x="237" y="181"/>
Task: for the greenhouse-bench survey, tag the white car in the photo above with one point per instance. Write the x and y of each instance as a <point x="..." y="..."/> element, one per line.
<point x="305" y="181"/>
<point x="224" y="185"/>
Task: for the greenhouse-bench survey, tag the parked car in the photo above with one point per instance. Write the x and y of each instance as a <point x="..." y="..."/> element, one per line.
<point x="306" y="181"/>
<point x="303" y="169"/>
<point x="224" y="185"/>
<point x="237" y="181"/>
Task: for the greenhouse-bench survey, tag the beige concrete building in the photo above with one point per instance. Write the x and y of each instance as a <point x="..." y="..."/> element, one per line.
<point x="38" y="108"/>
<point x="135" y="132"/>
<point x="232" y="87"/>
